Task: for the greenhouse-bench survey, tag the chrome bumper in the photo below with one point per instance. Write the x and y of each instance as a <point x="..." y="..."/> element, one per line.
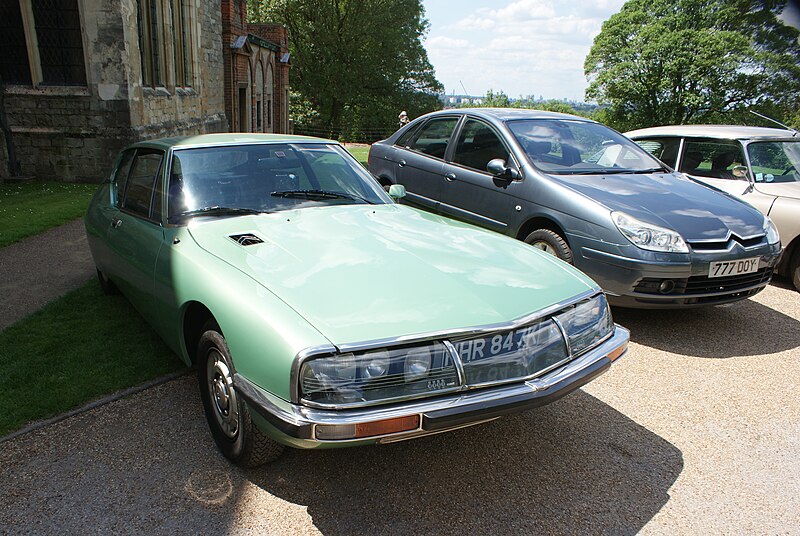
<point x="295" y="425"/>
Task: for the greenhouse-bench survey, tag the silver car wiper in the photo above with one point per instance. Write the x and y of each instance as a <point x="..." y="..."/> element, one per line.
<point x="319" y="194"/>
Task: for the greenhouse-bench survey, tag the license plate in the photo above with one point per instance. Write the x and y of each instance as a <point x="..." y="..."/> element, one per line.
<point x="737" y="267"/>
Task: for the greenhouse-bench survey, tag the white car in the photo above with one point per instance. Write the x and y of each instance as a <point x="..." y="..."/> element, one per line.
<point x="756" y="164"/>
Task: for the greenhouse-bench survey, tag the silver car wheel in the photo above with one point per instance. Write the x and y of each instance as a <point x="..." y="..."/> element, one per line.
<point x="223" y="398"/>
<point x="544" y="246"/>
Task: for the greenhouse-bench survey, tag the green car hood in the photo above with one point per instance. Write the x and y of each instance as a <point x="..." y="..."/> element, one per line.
<point x="368" y="272"/>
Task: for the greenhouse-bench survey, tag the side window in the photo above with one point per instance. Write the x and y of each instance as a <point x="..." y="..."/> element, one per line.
<point x="478" y="145"/>
<point x="665" y="149"/>
<point x="403" y="140"/>
<point x="711" y="158"/>
<point x="434" y="136"/>
<point x="139" y="190"/>
<point x="121" y="176"/>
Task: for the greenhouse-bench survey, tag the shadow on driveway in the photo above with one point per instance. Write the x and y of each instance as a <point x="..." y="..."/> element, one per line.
<point x="147" y="464"/>
<point x="744" y="328"/>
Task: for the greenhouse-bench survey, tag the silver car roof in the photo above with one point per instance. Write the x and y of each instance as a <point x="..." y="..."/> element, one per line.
<point x="715" y="131"/>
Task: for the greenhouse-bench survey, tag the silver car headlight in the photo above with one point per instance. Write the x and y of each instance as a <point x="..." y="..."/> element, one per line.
<point x="587" y="323"/>
<point x="772" y="232"/>
<point x="649" y="236"/>
<point x="379" y="375"/>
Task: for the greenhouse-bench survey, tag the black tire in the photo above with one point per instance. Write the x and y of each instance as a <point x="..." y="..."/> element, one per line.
<point x="794" y="268"/>
<point x="106" y="285"/>
<point x="235" y="434"/>
<point x="551" y="242"/>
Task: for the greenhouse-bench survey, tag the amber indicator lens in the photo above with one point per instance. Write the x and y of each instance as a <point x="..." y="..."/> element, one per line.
<point x="367" y="429"/>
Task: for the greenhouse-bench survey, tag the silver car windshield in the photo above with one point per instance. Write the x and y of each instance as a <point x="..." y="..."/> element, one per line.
<point x="775" y="161"/>
<point x="267" y="178"/>
<point x="566" y="147"/>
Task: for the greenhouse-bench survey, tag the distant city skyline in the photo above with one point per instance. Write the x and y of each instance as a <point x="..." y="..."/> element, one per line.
<point x="519" y="47"/>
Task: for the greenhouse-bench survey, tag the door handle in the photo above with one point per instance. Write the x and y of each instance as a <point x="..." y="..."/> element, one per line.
<point x="401" y="163"/>
<point x="115" y="223"/>
<point x="449" y="177"/>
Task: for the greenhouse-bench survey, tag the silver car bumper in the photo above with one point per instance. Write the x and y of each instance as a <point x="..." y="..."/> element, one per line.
<point x="299" y="426"/>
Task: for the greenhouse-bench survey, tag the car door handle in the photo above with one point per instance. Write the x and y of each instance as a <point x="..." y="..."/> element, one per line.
<point x="115" y="223"/>
<point x="401" y="163"/>
<point x="449" y="177"/>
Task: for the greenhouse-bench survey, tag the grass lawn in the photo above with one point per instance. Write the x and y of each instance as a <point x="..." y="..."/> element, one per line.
<point x="360" y="152"/>
<point x="30" y="208"/>
<point x="78" y="348"/>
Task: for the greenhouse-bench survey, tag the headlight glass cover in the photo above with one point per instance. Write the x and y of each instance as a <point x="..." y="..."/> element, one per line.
<point x="649" y="236"/>
<point x="379" y="375"/>
<point x="772" y="232"/>
<point x="587" y="323"/>
<point x="393" y="374"/>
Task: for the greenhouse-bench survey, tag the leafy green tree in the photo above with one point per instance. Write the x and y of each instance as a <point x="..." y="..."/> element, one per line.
<point x="356" y="63"/>
<point x="496" y="100"/>
<point x="678" y="61"/>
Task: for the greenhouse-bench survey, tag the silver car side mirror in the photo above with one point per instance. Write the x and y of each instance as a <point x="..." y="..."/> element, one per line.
<point x="498" y="168"/>
<point x="397" y="191"/>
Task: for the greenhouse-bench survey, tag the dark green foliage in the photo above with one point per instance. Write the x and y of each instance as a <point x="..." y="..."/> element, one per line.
<point x="78" y="348"/>
<point x="355" y="63"/>
<point x="694" y="61"/>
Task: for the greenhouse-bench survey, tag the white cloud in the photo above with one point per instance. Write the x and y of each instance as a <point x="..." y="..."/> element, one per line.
<point x="525" y="47"/>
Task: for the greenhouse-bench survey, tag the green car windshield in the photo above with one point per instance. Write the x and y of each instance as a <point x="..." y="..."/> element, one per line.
<point x="267" y="177"/>
<point x="775" y="161"/>
<point x="567" y="147"/>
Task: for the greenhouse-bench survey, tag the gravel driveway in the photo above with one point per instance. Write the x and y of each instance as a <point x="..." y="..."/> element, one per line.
<point x="696" y="430"/>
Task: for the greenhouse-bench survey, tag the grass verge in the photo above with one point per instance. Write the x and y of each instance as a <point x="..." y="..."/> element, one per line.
<point x="30" y="208"/>
<point x="361" y="152"/>
<point x="78" y="348"/>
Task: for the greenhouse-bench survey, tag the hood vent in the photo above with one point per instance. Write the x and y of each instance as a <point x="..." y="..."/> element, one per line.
<point x="246" y="239"/>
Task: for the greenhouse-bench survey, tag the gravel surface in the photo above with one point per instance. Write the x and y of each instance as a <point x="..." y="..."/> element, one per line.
<point x="695" y="431"/>
<point x="41" y="268"/>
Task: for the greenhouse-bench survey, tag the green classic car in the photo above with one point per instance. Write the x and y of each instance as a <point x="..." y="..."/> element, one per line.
<point x="320" y="313"/>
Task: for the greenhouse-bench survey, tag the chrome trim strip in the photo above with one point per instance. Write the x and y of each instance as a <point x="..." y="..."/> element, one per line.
<point x="565" y="335"/>
<point x="631" y="260"/>
<point x="726" y="239"/>
<point x="394" y="438"/>
<point x="462" y="377"/>
<point x="372" y="403"/>
<point x="305" y="418"/>
<point x="472" y="215"/>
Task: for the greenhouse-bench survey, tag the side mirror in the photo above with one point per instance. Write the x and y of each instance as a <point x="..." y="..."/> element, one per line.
<point x="740" y="172"/>
<point x="498" y="168"/>
<point x="397" y="191"/>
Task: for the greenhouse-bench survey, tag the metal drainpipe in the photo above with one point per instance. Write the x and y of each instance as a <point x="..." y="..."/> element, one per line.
<point x="13" y="164"/>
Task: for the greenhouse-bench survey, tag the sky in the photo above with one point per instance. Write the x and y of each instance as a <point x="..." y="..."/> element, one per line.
<point x="520" y="47"/>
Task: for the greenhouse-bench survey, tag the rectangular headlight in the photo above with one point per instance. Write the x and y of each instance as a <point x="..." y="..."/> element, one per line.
<point x="587" y="323"/>
<point x="380" y="375"/>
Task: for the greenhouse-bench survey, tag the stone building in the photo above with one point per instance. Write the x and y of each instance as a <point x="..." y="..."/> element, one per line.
<point x="81" y="79"/>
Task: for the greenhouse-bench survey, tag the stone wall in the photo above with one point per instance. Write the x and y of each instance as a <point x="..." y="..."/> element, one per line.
<point x="73" y="133"/>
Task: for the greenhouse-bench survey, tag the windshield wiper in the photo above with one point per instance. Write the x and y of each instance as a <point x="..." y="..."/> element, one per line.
<point x="216" y="210"/>
<point x="319" y="194"/>
<point x="649" y="170"/>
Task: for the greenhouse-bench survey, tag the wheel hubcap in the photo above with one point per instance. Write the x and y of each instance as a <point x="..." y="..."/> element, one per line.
<point x="224" y="403"/>
<point x="544" y="246"/>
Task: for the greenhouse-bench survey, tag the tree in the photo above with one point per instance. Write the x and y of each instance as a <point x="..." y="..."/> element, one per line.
<point x="496" y="100"/>
<point x="678" y="61"/>
<point x="357" y="63"/>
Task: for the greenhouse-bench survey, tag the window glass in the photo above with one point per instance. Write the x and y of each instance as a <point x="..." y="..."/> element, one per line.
<point x="434" y="136"/>
<point x="570" y="147"/>
<point x="477" y="145"/>
<point x="58" y="31"/>
<point x="139" y="190"/>
<point x="665" y="149"/>
<point x="711" y="158"/>
<point x="403" y="140"/>
<point x="121" y="176"/>
<point x="775" y="161"/>
<point x="268" y="178"/>
<point x="14" y="68"/>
